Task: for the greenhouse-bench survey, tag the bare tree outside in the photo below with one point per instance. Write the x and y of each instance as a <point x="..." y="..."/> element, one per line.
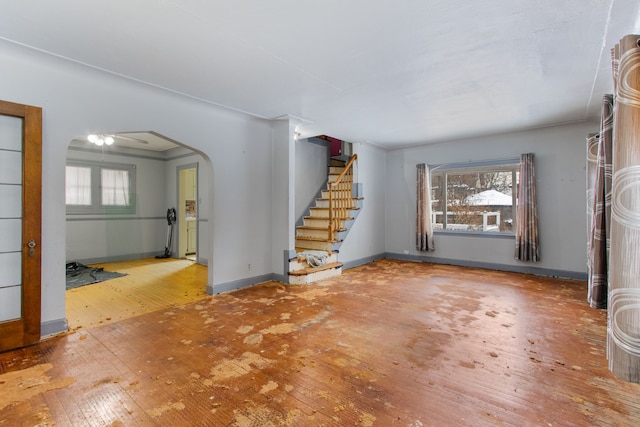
<point x="475" y="200"/>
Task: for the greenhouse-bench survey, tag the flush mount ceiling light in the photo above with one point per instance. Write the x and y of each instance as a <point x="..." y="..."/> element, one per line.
<point x="100" y="140"/>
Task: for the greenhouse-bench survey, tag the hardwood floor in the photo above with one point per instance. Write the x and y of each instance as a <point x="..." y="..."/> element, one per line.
<point x="388" y="343"/>
<point x="149" y="285"/>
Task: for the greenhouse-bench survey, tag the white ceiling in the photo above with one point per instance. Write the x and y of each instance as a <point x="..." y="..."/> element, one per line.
<point x="389" y="72"/>
<point x="141" y="140"/>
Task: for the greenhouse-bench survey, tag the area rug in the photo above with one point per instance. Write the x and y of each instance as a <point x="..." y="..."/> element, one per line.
<point x="81" y="275"/>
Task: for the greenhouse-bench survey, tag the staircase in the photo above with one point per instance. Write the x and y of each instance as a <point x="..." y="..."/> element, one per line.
<point x="326" y="226"/>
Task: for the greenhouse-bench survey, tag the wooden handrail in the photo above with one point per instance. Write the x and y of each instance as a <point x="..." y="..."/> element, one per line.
<point x="344" y="199"/>
<point x="346" y="168"/>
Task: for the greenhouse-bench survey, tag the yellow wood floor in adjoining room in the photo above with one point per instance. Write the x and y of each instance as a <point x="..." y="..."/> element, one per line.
<point x="150" y="284"/>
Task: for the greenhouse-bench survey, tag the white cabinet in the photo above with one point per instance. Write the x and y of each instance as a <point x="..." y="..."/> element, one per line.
<point x="192" y="230"/>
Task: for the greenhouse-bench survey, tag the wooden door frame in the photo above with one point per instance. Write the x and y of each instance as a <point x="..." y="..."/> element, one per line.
<point x="26" y="330"/>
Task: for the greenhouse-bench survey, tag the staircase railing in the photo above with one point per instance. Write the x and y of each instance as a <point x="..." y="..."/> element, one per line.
<point x="340" y="199"/>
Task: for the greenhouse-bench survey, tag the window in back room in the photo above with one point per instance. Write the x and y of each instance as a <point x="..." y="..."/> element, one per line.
<point x="99" y="188"/>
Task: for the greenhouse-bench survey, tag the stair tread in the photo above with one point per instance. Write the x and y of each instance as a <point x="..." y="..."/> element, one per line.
<point x="324" y="199"/>
<point x="327" y="218"/>
<point x="355" y="208"/>
<point x="317" y="239"/>
<point x="311" y="227"/>
<point x="310" y="270"/>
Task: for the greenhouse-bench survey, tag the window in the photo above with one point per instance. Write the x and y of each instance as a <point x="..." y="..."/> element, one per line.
<point x="477" y="197"/>
<point x="99" y="188"/>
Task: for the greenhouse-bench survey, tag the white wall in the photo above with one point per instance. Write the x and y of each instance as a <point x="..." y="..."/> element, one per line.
<point x="311" y="174"/>
<point x="282" y="193"/>
<point x="95" y="238"/>
<point x="366" y="238"/>
<point x="77" y="100"/>
<point x="560" y="173"/>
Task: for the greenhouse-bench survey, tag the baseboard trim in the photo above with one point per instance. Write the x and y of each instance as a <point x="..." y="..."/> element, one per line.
<point x="128" y="257"/>
<point x="362" y="261"/>
<point x="53" y="327"/>
<point x="251" y="281"/>
<point x="243" y="283"/>
<point x="548" y="272"/>
<point x="116" y="258"/>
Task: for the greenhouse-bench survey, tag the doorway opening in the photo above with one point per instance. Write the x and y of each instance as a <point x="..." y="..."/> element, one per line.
<point x="188" y="211"/>
<point x="120" y="225"/>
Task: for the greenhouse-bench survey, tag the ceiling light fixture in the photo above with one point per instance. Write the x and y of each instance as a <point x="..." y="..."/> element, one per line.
<point x="100" y="140"/>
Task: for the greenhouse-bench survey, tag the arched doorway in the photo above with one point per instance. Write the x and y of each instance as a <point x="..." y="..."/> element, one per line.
<point x="117" y="196"/>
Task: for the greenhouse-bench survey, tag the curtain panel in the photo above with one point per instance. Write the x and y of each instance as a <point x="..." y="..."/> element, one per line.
<point x="623" y="337"/>
<point x="527" y="240"/>
<point x="592" y="165"/>
<point x="424" y="227"/>
<point x="599" y="224"/>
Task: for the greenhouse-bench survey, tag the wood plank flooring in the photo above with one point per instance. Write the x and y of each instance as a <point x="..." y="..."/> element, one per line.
<point x="386" y="344"/>
<point x="149" y="285"/>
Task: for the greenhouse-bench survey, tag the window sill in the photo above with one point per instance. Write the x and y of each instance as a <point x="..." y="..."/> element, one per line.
<point x="463" y="233"/>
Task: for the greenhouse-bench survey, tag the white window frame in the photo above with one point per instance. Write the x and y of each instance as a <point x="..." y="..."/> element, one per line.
<point x="444" y="170"/>
<point x="96" y="207"/>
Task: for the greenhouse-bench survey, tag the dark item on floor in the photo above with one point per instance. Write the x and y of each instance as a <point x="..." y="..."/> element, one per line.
<point x="171" y="220"/>
<point x="80" y="275"/>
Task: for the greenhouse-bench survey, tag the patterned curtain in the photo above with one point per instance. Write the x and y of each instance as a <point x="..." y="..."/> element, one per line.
<point x="623" y="339"/>
<point x="592" y="166"/>
<point x="424" y="228"/>
<point x="527" y="241"/>
<point x="599" y="215"/>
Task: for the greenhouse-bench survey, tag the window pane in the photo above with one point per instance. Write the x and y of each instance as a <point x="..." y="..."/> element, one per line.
<point x="78" y="186"/>
<point x="115" y="187"/>
<point x="475" y="200"/>
<point x="479" y="201"/>
<point x="437" y="201"/>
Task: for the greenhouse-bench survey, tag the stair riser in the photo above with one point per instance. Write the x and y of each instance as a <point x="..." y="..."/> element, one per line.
<point x="322" y="203"/>
<point x="341" y="192"/>
<point x="310" y="244"/>
<point x="324" y="213"/>
<point x="295" y="264"/>
<point x="321" y="222"/>
<point x="335" y="170"/>
<point x="323" y="234"/>
<point x="315" y="277"/>
<point x="345" y="178"/>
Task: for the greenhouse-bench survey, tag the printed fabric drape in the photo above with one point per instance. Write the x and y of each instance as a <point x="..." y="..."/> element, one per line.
<point x="599" y="215"/>
<point x="623" y="335"/>
<point x="527" y="241"/>
<point x="424" y="228"/>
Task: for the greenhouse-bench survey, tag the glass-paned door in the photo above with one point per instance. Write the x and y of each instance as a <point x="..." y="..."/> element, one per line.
<point x="20" y="224"/>
<point x="11" y="218"/>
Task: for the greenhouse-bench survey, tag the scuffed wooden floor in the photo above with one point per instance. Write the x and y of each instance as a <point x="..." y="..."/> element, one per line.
<point x="388" y="343"/>
<point x="149" y="285"/>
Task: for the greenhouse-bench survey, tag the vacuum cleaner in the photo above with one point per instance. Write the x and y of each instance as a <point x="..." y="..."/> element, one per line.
<point x="171" y="220"/>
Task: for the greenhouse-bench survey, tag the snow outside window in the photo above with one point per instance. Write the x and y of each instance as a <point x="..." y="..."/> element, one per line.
<point x="479" y="198"/>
